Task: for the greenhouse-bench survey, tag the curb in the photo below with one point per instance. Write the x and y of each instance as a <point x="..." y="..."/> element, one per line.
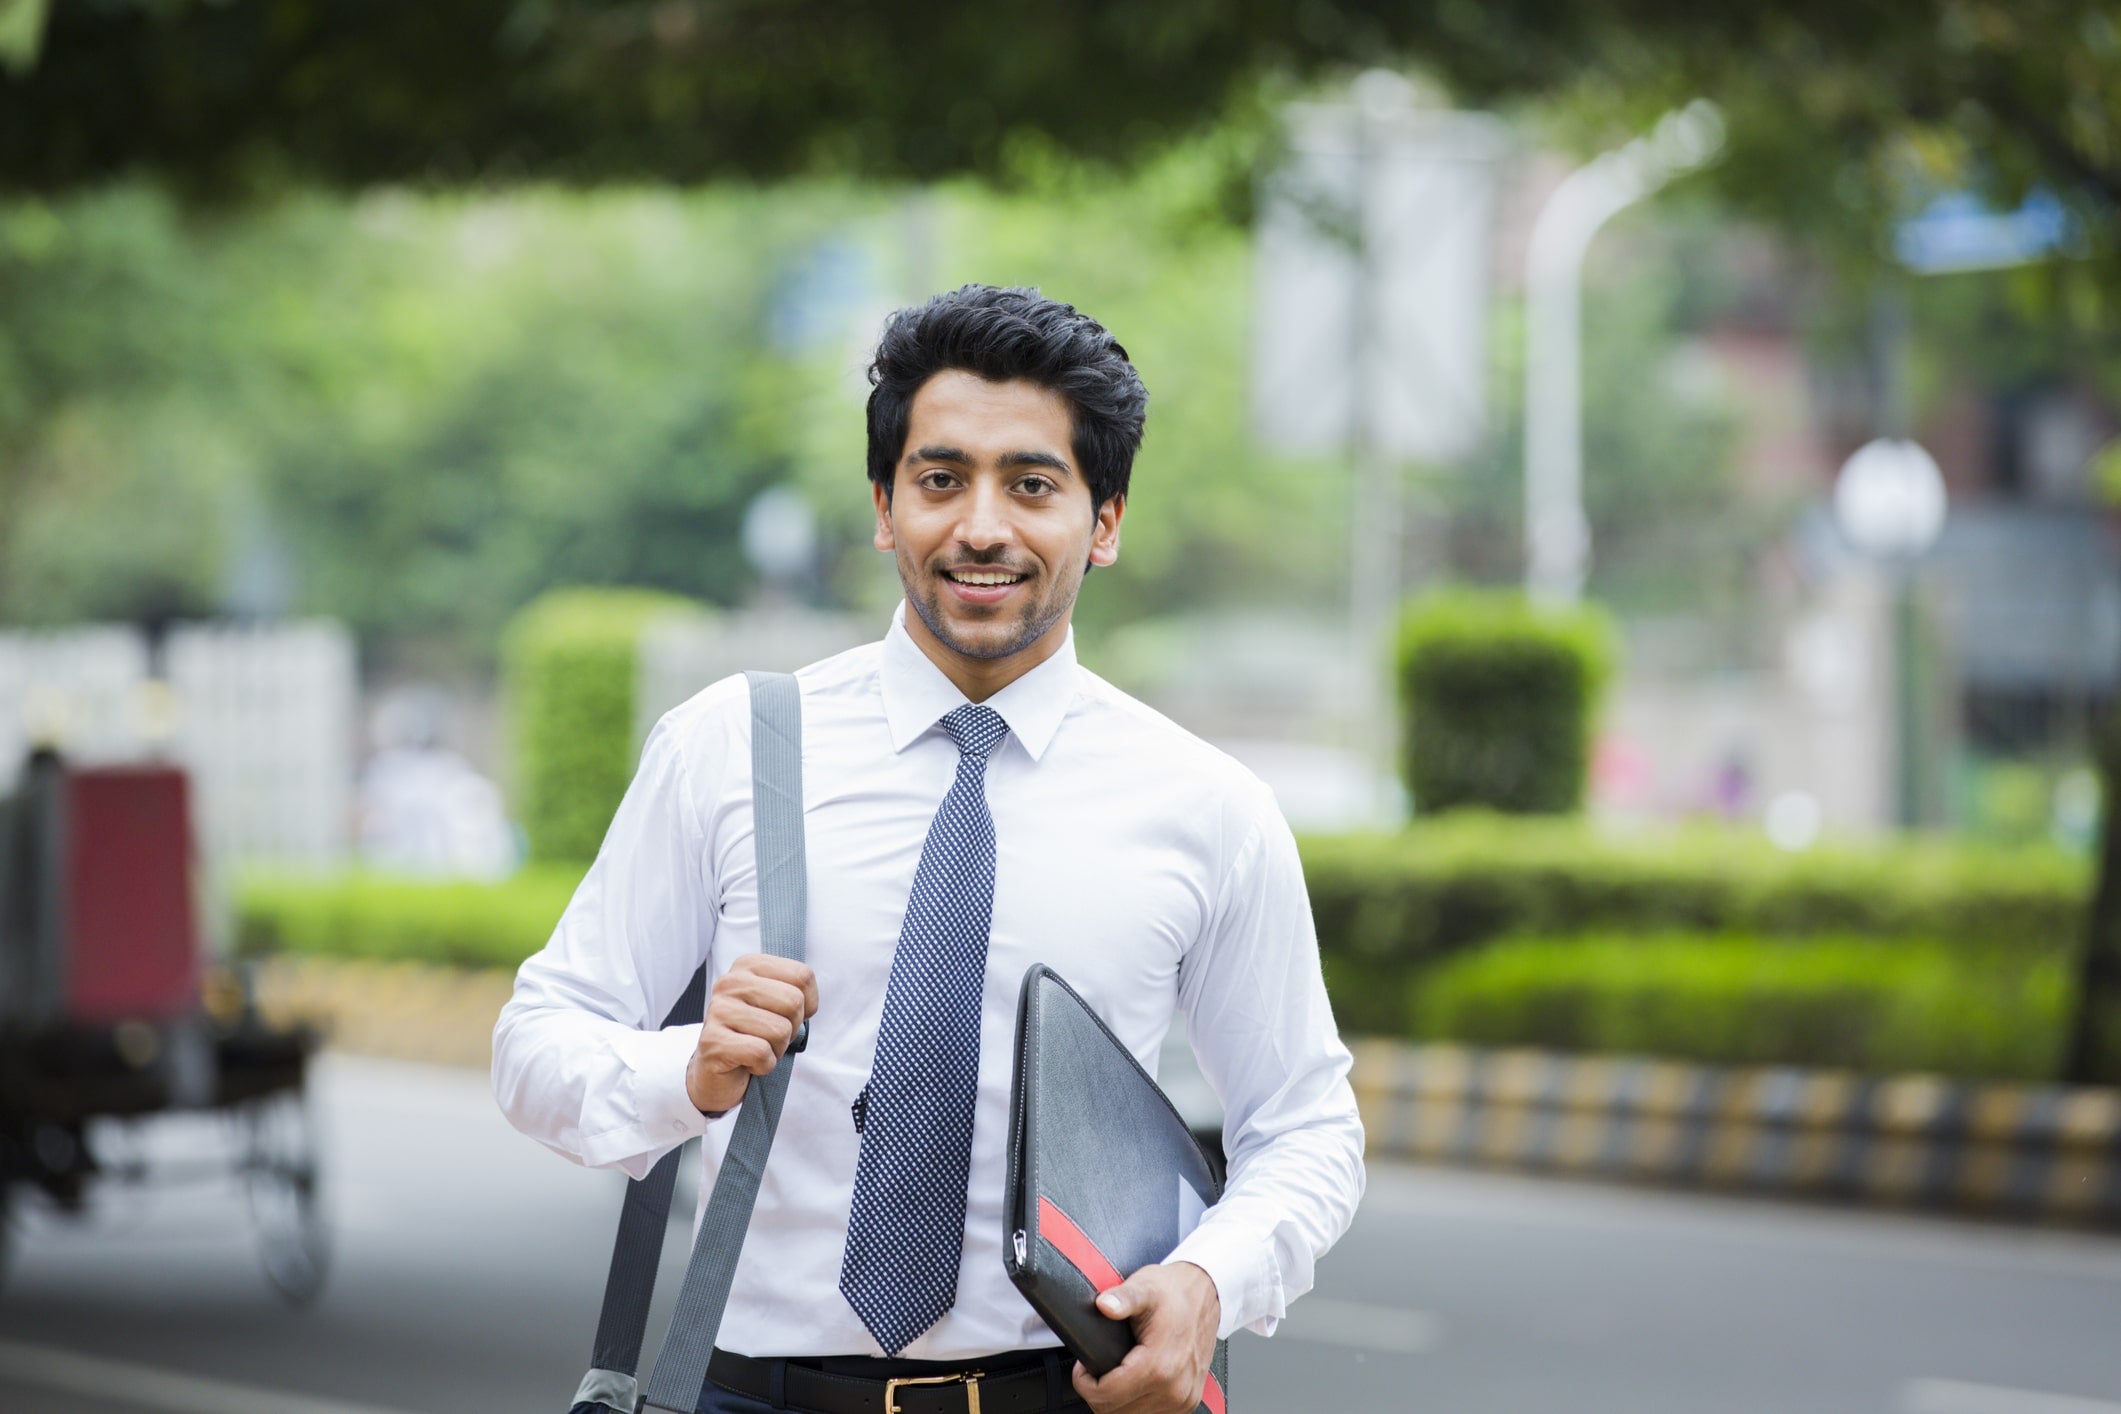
<point x="1920" y="1140"/>
<point x="404" y="1010"/>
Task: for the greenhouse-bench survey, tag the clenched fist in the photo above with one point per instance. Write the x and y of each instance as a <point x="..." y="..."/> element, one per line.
<point x="755" y="1010"/>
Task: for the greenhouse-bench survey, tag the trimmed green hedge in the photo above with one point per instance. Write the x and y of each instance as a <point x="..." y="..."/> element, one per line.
<point x="1848" y="1002"/>
<point x="570" y="663"/>
<point x="398" y="919"/>
<point x="1388" y="906"/>
<point x="1498" y="699"/>
<point x="1436" y="931"/>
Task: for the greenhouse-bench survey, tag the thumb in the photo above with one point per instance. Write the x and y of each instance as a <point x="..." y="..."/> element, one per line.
<point x="1122" y="1301"/>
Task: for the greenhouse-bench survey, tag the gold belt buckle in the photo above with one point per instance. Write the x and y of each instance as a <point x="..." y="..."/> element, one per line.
<point x="969" y="1379"/>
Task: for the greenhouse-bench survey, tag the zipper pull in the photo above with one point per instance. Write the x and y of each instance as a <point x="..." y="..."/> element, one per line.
<point x="1022" y="1243"/>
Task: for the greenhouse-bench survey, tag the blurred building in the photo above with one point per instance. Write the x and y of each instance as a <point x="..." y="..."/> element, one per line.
<point x="1784" y="705"/>
<point x="423" y="808"/>
<point x="2019" y="602"/>
<point x="262" y="715"/>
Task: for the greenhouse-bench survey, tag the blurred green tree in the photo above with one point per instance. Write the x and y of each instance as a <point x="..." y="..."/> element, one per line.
<point x="1832" y="106"/>
<point x="2092" y="1053"/>
<point x="101" y="318"/>
<point x="2093" y="1049"/>
<point x="433" y="408"/>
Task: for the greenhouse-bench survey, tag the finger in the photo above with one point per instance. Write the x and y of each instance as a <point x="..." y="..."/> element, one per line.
<point x="1085" y="1386"/>
<point x="762" y="993"/>
<point x="781" y="969"/>
<point x="1121" y="1388"/>
<point x="773" y="1027"/>
<point x="807" y="980"/>
<point x="765" y="993"/>
<point x="1130" y="1298"/>
<point x="733" y="1050"/>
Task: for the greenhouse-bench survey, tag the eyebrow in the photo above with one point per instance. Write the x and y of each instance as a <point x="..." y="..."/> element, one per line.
<point x="1044" y="459"/>
<point x="1009" y="460"/>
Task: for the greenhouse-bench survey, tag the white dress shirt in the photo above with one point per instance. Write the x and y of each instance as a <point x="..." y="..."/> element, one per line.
<point x="1150" y="870"/>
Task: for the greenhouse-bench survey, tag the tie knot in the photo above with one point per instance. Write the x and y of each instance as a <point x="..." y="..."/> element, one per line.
<point x="976" y="730"/>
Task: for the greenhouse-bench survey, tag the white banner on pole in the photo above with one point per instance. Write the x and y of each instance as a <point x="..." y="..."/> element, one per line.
<point x="1372" y="257"/>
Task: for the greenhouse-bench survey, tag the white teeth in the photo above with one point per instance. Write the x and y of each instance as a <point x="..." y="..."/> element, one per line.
<point x="985" y="579"/>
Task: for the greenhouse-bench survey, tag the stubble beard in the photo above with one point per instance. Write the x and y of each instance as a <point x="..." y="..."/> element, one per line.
<point x="926" y="596"/>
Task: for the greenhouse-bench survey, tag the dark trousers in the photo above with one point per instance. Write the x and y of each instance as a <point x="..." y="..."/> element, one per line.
<point x="1061" y="1397"/>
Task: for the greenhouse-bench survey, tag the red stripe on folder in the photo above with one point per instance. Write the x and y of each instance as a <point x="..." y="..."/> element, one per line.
<point x="1074" y="1244"/>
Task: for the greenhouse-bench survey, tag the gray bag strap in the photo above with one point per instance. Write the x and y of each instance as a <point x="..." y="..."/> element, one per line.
<point x="777" y="835"/>
<point x="681" y="1368"/>
<point x="636" y="1253"/>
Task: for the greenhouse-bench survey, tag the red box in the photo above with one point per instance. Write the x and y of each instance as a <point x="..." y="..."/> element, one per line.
<point x="130" y="932"/>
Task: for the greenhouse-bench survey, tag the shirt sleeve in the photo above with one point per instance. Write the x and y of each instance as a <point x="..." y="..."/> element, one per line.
<point x="578" y="1061"/>
<point x="1255" y="1002"/>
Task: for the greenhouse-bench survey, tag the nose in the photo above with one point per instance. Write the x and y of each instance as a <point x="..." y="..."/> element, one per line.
<point x="985" y="524"/>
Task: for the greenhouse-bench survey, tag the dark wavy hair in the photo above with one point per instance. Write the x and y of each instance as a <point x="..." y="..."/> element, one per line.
<point x="1000" y="335"/>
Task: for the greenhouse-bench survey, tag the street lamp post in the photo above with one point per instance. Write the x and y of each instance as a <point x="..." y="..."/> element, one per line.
<point x="1890" y="504"/>
<point x="1557" y="533"/>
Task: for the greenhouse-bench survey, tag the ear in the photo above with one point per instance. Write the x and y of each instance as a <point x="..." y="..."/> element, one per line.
<point x="883" y="539"/>
<point x="1104" y="540"/>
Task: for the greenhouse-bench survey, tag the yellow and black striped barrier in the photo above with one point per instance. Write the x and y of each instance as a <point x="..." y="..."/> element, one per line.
<point x="1915" y="1139"/>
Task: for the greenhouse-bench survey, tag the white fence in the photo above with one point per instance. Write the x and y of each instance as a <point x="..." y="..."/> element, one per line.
<point x="683" y="653"/>
<point x="263" y="717"/>
<point x="78" y="690"/>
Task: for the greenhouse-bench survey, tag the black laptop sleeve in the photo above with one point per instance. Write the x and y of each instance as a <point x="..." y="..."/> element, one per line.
<point x="1103" y="1176"/>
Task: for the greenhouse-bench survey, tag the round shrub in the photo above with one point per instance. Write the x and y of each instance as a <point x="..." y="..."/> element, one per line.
<point x="1498" y="700"/>
<point x="570" y="664"/>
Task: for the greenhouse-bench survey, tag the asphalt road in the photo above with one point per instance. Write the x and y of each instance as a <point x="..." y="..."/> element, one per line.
<point x="468" y="1266"/>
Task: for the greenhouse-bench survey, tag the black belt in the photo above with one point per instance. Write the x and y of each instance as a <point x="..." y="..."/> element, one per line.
<point x="1016" y="1388"/>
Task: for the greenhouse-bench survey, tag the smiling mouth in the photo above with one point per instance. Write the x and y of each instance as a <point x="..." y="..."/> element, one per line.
<point x="984" y="579"/>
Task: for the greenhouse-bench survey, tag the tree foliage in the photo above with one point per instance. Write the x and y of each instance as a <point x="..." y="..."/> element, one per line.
<point x="430" y="408"/>
<point x="1836" y="110"/>
<point x="679" y="90"/>
<point x="418" y="412"/>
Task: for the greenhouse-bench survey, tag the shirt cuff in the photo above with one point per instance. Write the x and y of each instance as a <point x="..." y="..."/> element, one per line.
<point x="655" y="1095"/>
<point x="1247" y="1282"/>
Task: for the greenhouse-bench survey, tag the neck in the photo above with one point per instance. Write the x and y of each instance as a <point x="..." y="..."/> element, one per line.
<point x="980" y="678"/>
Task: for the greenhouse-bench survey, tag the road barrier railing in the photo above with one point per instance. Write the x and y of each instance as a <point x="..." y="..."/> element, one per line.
<point x="1923" y="1140"/>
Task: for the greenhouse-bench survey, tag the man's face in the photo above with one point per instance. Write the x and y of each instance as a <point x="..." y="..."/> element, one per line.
<point x="990" y="518"/>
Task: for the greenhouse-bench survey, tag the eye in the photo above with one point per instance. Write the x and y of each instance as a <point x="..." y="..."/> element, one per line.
<point x="935" y="479"/>
<point x="1034" y="485"/>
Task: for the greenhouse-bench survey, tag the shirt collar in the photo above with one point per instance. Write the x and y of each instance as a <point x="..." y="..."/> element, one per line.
<point x="917" y="695"/>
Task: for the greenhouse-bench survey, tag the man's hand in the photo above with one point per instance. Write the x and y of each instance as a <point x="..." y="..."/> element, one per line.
<point x="1175" y="1312"/>
<point x="754" y="1013"/>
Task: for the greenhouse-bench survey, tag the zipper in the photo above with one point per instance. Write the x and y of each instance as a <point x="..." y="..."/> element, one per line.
<point x="1027" y="1022"/>
<point x="1022" y="1243"/>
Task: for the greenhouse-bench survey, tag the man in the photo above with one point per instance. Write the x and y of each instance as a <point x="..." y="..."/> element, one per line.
<point x="974" y="802"/>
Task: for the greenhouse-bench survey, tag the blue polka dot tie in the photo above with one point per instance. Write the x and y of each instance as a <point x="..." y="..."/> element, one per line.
<point x="906" y="1231"/>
